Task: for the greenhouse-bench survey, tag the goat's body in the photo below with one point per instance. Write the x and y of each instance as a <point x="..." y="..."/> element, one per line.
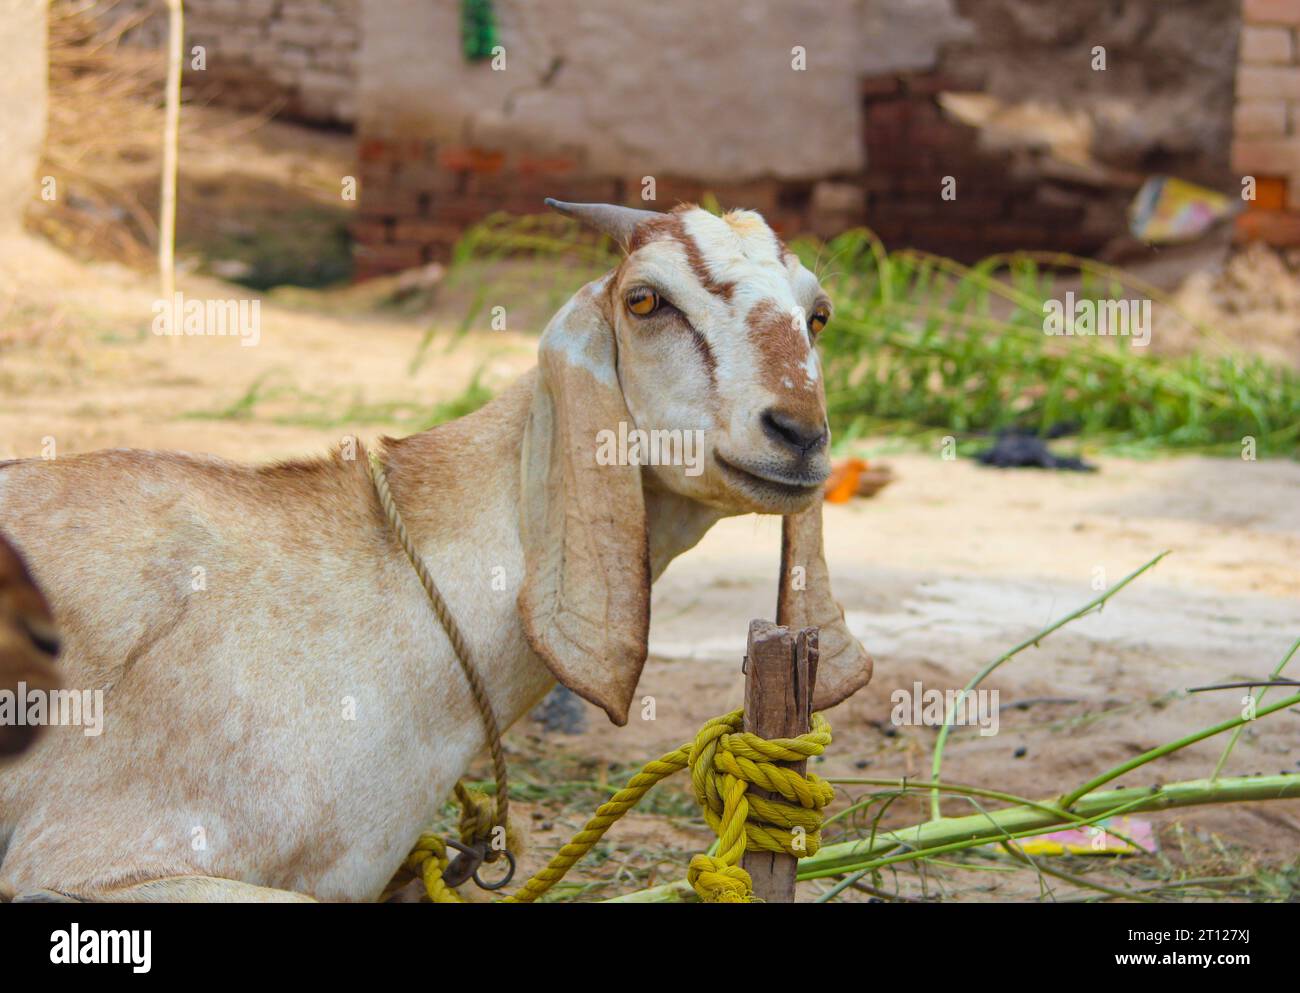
<point x="228" y="748"/>
<point x="282" y="710"/>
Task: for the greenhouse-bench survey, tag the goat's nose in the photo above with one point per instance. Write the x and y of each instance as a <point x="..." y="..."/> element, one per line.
<point x="792" y="432"/>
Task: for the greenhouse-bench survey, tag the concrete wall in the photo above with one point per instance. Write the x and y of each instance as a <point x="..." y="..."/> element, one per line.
<point x="22" y="104"/>
<point x="631" y="88"/>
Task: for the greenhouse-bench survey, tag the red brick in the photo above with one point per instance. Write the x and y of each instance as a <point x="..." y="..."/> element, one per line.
<point x="890" y="232"/>
<point x="371" y="232"/>
<point x="372" y="150"/>
<point x="879" y="182"/>
<point x="388" y="258"/>
<point x="425" y="175"/>
<point x="425" y="231"/>
<point x="1259" y="118"/>
<point x="1267" y="156"/>
<point x="879" y="86"/>
<point x="923" y="182"/>
<point x="460" y="211"/>
<point x="376" y="200"/>
<point x="931" y="83"/>
<point x="975" y="207"/>
<point x="1268" y="82"/>
<point x="1270" y="193"/>
<point x="589" y="189"/>
<point x="1265" y="45"/>
<point x="940" y="135"/>
<point x="469" y="159"/>
<point x="760" y="195"/>
<point x="1017" y="234"/>
<point x="889" y="115"/>
<point x="1271" y="12"/>
<point x="1274" y="227"/>
<point x="529" y="165"/>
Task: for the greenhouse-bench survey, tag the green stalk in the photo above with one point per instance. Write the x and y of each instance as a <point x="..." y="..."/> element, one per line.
<point x="1087" y="608"/>
<point x="1070" y="799"/>
<point x="1259" y="696"/>
<point x="969" y="792"/>
<point x="956" y="833"/>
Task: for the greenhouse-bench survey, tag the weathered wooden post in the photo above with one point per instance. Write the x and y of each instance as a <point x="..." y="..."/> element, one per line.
<point x="780" y="674"/>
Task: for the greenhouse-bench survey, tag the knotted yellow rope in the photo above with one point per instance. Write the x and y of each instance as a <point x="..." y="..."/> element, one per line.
<point x="725" y="762"/>
<point x="429" y="858"/>
<point x="427" y="862"/>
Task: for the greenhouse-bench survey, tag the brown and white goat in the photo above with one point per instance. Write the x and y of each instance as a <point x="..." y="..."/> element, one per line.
<point x="28" y="645"/>
<point x="286" y="727"/>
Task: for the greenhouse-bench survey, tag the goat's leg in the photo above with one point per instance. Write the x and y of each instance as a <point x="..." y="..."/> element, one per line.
<point x="174" y="889"/>
<point x="199" y="889"/>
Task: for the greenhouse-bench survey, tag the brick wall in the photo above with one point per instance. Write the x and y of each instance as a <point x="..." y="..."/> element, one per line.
<point x="417" y="196"/>
<point x="913" y="148"/>
<point x="299" y="55"/>
<point x="1266" y="120"/>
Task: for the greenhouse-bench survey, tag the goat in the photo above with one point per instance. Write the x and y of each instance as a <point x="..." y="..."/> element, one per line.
<point x="28" y="645"/>
<point x="283" y="712"/>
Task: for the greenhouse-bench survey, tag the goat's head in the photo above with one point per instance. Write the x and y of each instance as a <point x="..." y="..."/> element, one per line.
<point x="690" y="368"/>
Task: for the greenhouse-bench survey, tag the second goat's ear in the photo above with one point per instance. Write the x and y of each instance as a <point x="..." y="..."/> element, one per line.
<point x="804" y="599"/>
<point x="585" y="601"/>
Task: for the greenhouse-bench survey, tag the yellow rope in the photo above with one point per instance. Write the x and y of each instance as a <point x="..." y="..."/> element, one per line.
<point x="725" y="762"/>
<point x="429" y="858"/>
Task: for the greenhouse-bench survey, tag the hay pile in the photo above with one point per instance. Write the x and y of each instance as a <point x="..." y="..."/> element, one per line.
<point x="103" y="148"/>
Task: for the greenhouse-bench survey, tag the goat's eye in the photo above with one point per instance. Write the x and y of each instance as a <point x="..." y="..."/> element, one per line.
<point x="818" y="318"/>
<point x="642" y="301"/>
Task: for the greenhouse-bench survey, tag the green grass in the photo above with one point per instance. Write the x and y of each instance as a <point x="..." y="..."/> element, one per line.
<point x="935" y="346"/>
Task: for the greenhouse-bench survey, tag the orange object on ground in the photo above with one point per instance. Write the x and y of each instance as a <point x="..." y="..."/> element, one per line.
<point x="855" y="477"/>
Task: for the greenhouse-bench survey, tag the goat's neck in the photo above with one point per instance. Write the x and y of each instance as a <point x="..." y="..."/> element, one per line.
<point x="674" y="524"/>
<point x="458" y="487"/>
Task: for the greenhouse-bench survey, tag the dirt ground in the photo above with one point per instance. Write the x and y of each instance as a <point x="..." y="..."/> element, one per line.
<point x="940" y="573"/>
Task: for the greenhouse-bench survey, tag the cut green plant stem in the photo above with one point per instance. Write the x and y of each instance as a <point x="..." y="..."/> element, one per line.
<point x="1095" y="604"/>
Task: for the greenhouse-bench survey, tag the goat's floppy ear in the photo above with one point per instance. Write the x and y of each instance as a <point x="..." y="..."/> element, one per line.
<point x="804" y="600"/>
<point x="585" y="600"/>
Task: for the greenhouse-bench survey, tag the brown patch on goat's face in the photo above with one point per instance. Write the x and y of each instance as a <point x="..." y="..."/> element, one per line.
<point x="784" y="353"/>
<point x="673" y="227"/>
<point x="706" y="356"/>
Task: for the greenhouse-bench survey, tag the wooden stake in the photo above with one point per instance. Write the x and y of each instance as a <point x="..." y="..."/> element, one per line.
<point x="171" y="143"/>
<point x="780" y="675"/>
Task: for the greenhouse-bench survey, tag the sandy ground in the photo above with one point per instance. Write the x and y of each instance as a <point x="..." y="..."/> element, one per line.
<point x="940" y="573"/>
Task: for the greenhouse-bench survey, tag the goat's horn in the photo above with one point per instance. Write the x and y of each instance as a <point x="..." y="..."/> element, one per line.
<point x="607" y="218"/>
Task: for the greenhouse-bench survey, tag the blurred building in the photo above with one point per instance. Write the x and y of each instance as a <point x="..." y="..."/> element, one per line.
<point x="960" y="126"/>
<point x="822" y="116"/>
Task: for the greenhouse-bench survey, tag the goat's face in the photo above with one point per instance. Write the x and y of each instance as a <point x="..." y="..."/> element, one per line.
<point x="704" y="333"/>
<point x="715" y="323"/>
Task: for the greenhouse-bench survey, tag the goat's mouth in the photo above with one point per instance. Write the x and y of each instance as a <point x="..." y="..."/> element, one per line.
<point x="767" y="484"/>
